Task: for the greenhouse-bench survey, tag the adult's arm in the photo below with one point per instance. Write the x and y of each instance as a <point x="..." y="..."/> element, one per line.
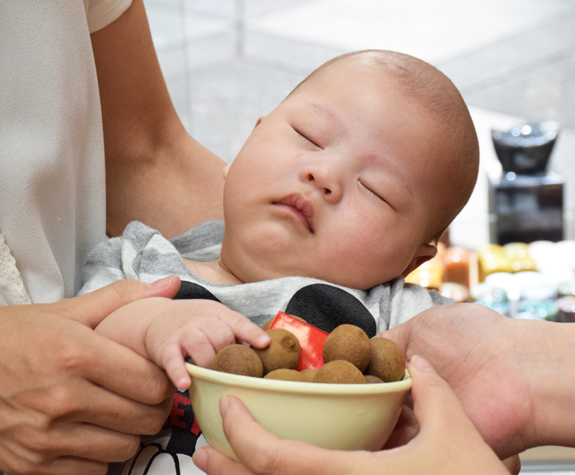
<point x="155" y="171"/>
<point x="72" y="400"/>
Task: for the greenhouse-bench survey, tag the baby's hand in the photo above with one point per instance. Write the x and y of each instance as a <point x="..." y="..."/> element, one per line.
<point x="199" y="329"/>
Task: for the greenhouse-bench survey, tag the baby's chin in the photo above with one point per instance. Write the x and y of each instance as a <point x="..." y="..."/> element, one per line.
<point x="345" y="278"/>
<point x="252" y="265"/>
<point x="360" y="282"/>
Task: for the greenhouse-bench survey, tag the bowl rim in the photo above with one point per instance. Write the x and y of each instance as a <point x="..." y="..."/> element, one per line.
<point x="299" y="387"/>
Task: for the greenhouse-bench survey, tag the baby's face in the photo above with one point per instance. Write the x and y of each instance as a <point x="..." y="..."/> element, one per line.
<point x="333" y="184"/>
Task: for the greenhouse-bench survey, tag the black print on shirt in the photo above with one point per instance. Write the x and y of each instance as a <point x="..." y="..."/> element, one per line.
<point x="325" y="307"/>
<point x="181" y="430"/>
<point x="321" y="305"/>
<point x="189" y="290"/>
<point x="185" y="428"/>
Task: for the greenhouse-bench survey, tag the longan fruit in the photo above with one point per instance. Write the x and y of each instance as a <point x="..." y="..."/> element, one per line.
<point x="308" y="374"/>
<point x="283" y="351"/>
<point x="339" y="372"/>
<point x="284" y="375"/>
<point x="349" y="343"/>
<point x="387" y="360"/>
<point x="238" y="359"/>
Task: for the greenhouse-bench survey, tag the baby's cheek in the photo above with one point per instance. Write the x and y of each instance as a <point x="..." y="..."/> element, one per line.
<point x="368" y="233"/>
<point x="379" y="252"/>
<point x="362" y="241"/>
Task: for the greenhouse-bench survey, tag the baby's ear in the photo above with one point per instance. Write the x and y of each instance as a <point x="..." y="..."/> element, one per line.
<point x="423" y="254"/>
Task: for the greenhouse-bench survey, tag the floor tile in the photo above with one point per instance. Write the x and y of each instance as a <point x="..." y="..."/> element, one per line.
<point x="281" y="53"/>
<point x="546" y="93"/>
<point x="513" y="56"/>
<point x="170" y="24"/>
<point x="211" y="51"/>
<point x="227" y="101"/>
<point x="226" y="8"/>
<point x="258" y="7"/>
<point x="433" y="31"/>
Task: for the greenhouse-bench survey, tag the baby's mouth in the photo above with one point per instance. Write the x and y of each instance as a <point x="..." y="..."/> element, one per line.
<point x="300" y="206"/>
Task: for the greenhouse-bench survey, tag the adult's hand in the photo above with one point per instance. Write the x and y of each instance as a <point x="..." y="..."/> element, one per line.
<point x="72" y="400"/>
<point x="514" y="378"/>
<point x="447" y="442"/>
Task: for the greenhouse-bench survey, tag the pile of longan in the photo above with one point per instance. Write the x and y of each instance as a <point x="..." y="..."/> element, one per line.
<point x="349" y="357"/>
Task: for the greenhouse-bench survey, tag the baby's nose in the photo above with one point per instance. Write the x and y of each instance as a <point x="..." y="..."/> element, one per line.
<point x="326" y="180"/>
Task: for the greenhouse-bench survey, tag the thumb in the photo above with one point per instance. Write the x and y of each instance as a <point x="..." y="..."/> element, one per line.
<point x="399" y="335"/>
<point x="90" y="309"/>
<point x="447" y="439"/>
<point x="262" y="452"/>
<point x="434" y="402"/>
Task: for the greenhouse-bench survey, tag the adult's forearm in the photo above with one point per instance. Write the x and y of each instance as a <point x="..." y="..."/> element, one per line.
<point x="155" y="171"/>
<point x="549" y="359"/>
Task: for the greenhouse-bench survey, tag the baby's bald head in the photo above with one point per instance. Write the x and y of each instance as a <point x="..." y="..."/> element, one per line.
<point x="454" y="162"/>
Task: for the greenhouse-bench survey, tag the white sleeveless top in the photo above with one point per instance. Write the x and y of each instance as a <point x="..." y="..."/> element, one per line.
<point x="52" y="182"/>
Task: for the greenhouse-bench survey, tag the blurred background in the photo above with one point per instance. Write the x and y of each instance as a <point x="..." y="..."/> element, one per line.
<point x="227" y="62"/>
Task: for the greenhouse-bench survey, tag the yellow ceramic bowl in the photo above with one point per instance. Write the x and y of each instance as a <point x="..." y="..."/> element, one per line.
<point x="333" y="416"/>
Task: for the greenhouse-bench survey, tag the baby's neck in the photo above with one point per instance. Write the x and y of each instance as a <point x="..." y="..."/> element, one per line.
<point x="213" y="271"/>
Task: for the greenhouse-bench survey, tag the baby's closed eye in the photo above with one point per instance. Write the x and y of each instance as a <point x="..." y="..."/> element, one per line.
<point x="370" y="190"/>
<point x="307" y="138"/>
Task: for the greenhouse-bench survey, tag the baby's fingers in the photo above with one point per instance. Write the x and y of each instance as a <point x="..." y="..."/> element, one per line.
<point x="172" y="360"/>
<point x="244" y="330"/>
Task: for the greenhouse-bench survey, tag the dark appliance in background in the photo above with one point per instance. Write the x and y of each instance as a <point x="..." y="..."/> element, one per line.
<point x="525" y="200"/>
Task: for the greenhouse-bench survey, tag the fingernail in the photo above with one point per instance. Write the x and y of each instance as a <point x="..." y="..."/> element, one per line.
<point x="263" y="339"/>
<point x="224" y="404"/>
<point x="422" y="364"/>
<point x="200" y="458"/>
<point x="160" y="284"/>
